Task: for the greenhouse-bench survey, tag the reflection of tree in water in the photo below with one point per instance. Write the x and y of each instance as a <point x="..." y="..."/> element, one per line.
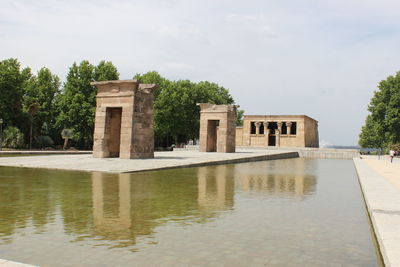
<point x="117" y="209"/>
<point x="73" y="193"/>
<point x="30" y="198"/>
<point x="109" y="207"/>
<point x="25" y="200"/>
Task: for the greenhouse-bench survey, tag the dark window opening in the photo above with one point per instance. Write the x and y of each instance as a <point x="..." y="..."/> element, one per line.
<point x="252" y="127"/>
<point x="262" y="128"/>
<point x="272" y="126"/>
<point x="284" y="128"/>
<point x="294" y="128"/>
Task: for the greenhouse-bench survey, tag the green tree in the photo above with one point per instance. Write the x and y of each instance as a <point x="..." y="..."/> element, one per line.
<point x="153" y="77"/>
<point x="172" y="110"/>
<point x="105" y="71"/>
<point x="12" y="82"/>
<point x="77" y="103"/>
<point x="42" y="90"/>
<point x="239" y="117"/>
<point x="176" y="112"/>
<point x="382" y="125"/>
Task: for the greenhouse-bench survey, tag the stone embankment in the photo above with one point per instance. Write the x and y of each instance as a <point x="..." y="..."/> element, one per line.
<point x="304" y="152"/>
<point x="162" y="160"/>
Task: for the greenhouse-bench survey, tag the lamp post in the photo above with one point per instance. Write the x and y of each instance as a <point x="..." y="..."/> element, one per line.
<point x="1" y="134"/>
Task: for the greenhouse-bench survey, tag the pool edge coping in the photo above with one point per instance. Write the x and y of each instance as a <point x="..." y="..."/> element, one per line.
<point x="372" y="185"/>
<point x="243" y="159"/>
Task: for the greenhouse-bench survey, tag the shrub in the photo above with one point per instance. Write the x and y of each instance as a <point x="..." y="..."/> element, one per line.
<point x="43" y="141"/>
<point x="13" y="138"/>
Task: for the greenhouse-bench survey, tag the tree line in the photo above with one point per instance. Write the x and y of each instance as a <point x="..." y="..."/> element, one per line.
<point x="382" y="125"/>
<point x="36" y="108"/>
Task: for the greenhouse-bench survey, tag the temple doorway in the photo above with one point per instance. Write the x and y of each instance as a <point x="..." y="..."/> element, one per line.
<point x="271" y="140"/>
<point x="212" y="135"/>
<point x="113" y="130"/>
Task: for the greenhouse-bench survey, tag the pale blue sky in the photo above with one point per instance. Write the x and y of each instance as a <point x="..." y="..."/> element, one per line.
<point x="319" y="58"/>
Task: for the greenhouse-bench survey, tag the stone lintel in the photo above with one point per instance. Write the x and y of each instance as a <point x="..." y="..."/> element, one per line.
<point x="207" y="107"/>
<point x="130" y="94"/>
<point x="114" y="82"/>
<point x="278" y="117"/>
<point x="122" y="88"/>
<point x="147" y="87"/>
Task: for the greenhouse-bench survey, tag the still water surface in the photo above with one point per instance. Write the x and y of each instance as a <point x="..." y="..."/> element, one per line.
<point x="295" y="212"/>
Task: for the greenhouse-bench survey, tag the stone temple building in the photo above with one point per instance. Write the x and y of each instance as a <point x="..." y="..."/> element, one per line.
<point x="278" y="130"/>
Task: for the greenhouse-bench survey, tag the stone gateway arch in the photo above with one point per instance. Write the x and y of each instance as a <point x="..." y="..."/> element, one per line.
<point x="217" y="128"/>
<point x="124" y="120"/>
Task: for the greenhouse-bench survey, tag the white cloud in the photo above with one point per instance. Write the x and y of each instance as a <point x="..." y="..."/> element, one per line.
<point x="255" y="23"/>
<point x="320" y="58"/>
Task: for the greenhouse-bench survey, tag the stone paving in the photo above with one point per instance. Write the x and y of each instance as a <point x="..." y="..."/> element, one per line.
<point x="43" y="152"/>
<point x="162" y="160"/>
<point x="380" y="183"/>
<point x="6" y="263"/>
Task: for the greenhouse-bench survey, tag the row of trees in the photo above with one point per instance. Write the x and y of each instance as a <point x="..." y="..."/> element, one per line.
<point x="176" y="113"/>
<point x="41" y="107"/>
<point x="382" y="125"/>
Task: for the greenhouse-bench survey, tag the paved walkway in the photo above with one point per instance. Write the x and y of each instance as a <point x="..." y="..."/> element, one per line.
<point x="380" y="182"/>
<point x="162" y="160"/>
<point x="6" y="263"/>
<point x="43" y="152"/>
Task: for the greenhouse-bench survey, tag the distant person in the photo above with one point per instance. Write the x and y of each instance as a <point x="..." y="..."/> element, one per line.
<point x="392" y="153"/>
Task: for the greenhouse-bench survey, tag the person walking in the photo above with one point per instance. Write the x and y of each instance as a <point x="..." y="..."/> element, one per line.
<point x="392" y="153"/>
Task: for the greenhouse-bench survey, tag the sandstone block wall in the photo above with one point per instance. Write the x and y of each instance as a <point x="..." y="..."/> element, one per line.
<point x="124" y="120"/>
<point x="217" y="128"/>
<point x="306" y="134"/>
<point x="311" y="133"/>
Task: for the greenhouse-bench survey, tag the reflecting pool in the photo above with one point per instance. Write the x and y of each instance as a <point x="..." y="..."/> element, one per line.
<point x="294" y="212"/>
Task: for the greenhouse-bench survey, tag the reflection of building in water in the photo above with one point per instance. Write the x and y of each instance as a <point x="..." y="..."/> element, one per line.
<point x="111" y="201"/>
<point x="282" y="177"/>
<point x="215" y="187"/>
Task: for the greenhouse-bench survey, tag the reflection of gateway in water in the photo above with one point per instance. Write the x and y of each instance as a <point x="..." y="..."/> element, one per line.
<point x="128" y="205"/>
<point x="104" y="212"/>
<point x="118" y="212"/>
<point x="216" y="187"/>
